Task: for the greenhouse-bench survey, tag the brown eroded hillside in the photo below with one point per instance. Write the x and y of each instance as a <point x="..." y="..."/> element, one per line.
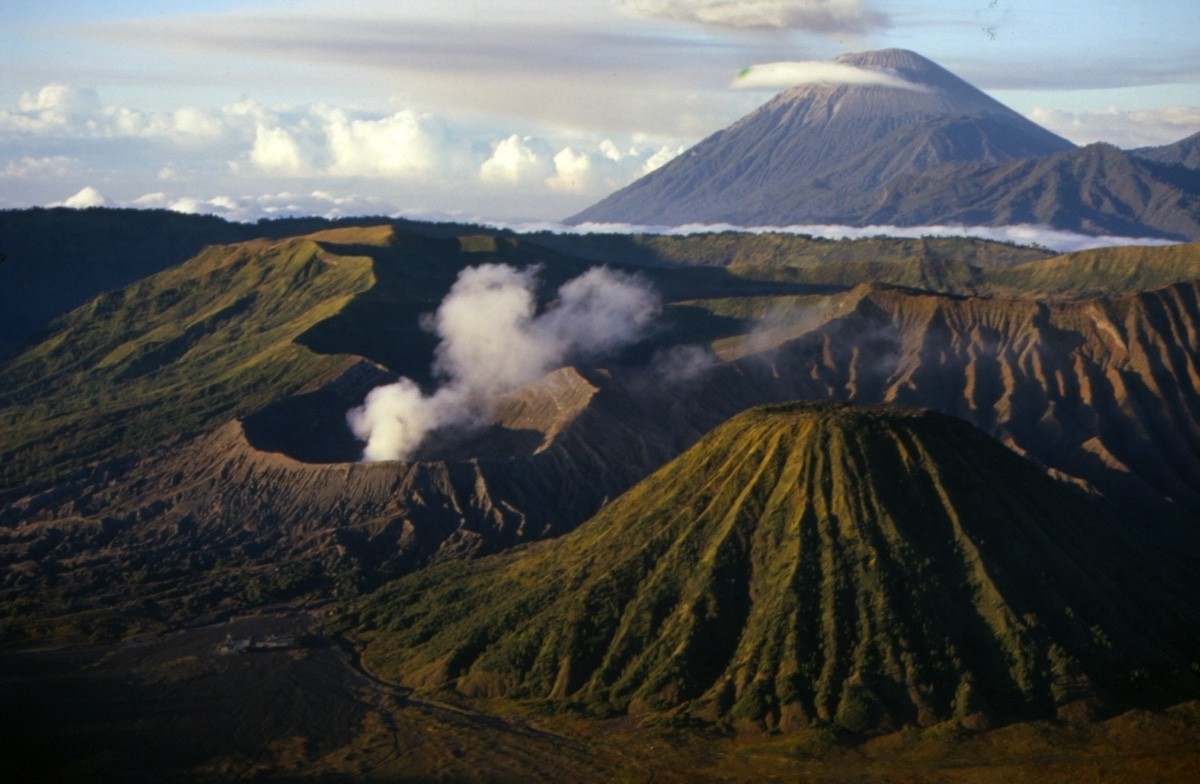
<point x="1106" y="391"/>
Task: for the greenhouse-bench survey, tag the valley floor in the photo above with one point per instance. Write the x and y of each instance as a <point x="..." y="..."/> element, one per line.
<point x="173" y="708"/>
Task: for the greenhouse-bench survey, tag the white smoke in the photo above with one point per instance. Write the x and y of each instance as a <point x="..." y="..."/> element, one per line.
<point x="493" y="340"/>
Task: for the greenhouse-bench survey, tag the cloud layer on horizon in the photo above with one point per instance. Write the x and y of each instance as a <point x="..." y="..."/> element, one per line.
<point x="1021" y="234"/>
<point x="59" y="139"/>
<point x="1126" y="129"/>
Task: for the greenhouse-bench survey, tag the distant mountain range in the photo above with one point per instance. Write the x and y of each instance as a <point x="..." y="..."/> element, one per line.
<point x="927" y="148"/>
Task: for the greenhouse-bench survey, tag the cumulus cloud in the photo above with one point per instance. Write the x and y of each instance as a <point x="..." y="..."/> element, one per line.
<point x="493" y="340"/>
<point x="661" y="157"/>
<point x="789" y="74"/>
<point x="399" y="145"/>
<point x="196" y="154"/>
<point x="572" y="171"/>
<point x="1143" y="128"/>
<point x="64" y="110"/>
<point x="275" y="150"/>
<point x="820" y="16"/>
<point x="514" y="160"/>
<point x="29" y="167"/>
<point x="58" y="105"/>
<point x="87" y="197"/>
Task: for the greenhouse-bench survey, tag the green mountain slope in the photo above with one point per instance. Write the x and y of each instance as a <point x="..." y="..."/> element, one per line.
<point x="57" y="259"/>
<point x="175" y="353"/>
<point x="1094" y="273"/>
<point x="242" y="326"/>
<point x="811" y="563"/>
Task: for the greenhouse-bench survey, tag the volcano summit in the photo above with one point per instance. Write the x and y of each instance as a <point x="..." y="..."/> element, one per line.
<point x="867" y="153"/>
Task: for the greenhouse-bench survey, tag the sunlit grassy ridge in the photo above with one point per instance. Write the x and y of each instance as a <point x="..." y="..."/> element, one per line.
<point x="1101" y="271"/>
<point x="951" y="265"/>
<point x="241" y="326"/>
<point x="176" y="352"/>
<point x="810" y="563"/>
<point x="731" y="248"/>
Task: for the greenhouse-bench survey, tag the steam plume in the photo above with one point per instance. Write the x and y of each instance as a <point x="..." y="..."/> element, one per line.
<point x="493" y="340"/>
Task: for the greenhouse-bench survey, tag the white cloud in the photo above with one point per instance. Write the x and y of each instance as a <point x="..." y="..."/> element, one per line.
<point x="789" y="74"/>
<point x="397" y="146"/>
<point x="59" y="104"/>
<point x="572" y="171"/>
<point x="610" y="150"/>
<point x="514" y="160"/>
<point x="819" y="16"/>
<point x="1021" y="234"/>
<point x="194" y="153"/>
<point x="29" y="167"/>
<point x="60" y="110"/>
<point x="276" y="151"/>
<point x="272" y="205"/>
<point x="1145" y="128"/>
<point x="190" y="124"/>
<point x="87" y="197"/>
<point x="662" y="156"/>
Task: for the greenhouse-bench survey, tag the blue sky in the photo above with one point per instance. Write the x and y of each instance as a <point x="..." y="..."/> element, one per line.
<point x="504" y="110"/>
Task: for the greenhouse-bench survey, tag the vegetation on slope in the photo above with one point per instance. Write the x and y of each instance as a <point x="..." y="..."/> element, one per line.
<point x="57" y="259"/>
<point x="811" y="563"/>
<point x="242" y="326"/>
<point x="949" y="265"/>
<point x="774" y="249"/>
<point x="175" y="353"/>
<point x="1098" y="272"/>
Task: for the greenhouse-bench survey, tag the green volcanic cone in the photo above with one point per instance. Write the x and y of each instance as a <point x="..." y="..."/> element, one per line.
<point x="813" y="563"/>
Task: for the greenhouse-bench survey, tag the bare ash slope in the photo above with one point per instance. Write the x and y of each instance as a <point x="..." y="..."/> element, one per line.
<point x="809" y="153"/>
<point x="1103" y="390"/>
<point x="937" y="152"/>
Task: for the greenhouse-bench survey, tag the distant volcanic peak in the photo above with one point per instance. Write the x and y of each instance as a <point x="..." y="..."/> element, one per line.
<point x="946" y="94"/>
<point x="822" y="150"/>
<point x="906" y="64"/>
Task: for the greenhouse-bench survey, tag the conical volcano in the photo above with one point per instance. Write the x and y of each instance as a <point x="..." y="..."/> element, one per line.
<point x="816" y="150"/>
<point x="812" y="563"/>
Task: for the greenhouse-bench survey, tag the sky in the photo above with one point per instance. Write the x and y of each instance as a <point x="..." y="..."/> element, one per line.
<point x="505" y="110"/>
